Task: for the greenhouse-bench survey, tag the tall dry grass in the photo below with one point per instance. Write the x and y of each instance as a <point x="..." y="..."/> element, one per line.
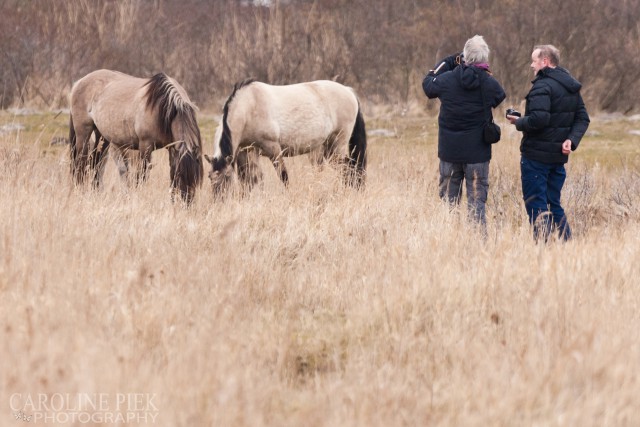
<point x="318" y="305"/>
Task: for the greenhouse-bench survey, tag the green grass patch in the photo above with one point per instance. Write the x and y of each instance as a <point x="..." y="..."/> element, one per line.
<point x="611" y="142"/>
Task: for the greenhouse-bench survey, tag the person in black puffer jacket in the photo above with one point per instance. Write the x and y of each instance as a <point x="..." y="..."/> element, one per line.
<point x="554" y="122"/>
<point x="463" y="154"/>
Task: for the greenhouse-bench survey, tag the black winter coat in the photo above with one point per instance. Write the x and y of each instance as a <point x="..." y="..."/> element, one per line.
<point x="554" y="113"/>
<point x="462" y="114"/>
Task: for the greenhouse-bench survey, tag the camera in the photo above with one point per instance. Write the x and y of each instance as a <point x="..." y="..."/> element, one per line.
<point x="512" y="112"/>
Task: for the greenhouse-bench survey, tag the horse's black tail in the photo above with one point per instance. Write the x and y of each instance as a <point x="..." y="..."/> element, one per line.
<point x="72" y="141"/>
<point x="225" y="142"/>
<point x="358" y="151"/>
<point x="73" y="151"/>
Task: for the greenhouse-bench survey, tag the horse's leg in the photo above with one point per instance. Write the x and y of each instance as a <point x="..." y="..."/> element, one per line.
<point x="341" y="145"/>
<point x="316" y="157"/>
<point x="121" y="159"/>
<point x="337" y="149"/>
<point x="282" y="170"/>
<point x="248" y="169"/>
<point x="145" y="162"/>
<point x="278" y="164"/>
<point x="80" y="145"/>
<point x="330" y="148"/>
<point x="335" y="152"/>
<point x="98" y="159"/>
<point x="274" y="152"/>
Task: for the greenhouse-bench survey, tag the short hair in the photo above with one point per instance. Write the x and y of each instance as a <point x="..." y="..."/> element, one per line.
<point x="549" y="51"/>
<point x="476" y="50"/>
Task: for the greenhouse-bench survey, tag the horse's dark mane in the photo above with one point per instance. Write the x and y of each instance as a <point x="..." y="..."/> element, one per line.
<point x="162" y="92"/>
<point x="226" y="148"/>
<point x="172" y="105"/>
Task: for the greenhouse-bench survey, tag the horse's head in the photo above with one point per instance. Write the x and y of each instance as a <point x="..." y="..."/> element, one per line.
<point x="221" y="174"/>
<point x="186" y="155"/>
<point x="186" y="171"/>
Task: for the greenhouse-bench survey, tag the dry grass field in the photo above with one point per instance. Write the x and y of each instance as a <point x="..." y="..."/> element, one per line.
<point x="317" y="305"/>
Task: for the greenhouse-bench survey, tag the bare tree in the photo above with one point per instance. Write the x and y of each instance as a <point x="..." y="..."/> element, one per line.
<point x="381" y="47"/>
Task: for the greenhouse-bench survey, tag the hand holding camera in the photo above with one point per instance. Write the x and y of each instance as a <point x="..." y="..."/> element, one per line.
<point x="454" y="60"/>
<point x="512" y="112"/>
<point x="512" y="115"/>
<point x="448" y="63"/>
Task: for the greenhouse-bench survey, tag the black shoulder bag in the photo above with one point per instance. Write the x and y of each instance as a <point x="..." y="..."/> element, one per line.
<point x="490" y="131"/>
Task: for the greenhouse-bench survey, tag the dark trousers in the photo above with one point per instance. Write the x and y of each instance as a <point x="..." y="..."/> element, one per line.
<point x="476" y="176"/>
<point x="541" y="187"/>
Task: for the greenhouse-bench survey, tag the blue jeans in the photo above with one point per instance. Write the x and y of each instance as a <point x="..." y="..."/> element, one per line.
<point x="541" y="187"/>
<point x="477" y="182"/>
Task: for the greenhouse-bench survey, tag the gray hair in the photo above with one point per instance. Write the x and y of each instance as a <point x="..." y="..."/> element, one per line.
<point x="476" y="50"/>
<point x="550" y="52"/>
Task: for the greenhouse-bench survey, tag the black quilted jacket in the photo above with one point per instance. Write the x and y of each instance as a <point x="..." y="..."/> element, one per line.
<point x="554" y="113"/>
<point x="462" y="112"/>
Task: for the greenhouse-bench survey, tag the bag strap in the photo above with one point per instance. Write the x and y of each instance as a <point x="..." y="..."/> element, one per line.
<point x="483" y="80"/>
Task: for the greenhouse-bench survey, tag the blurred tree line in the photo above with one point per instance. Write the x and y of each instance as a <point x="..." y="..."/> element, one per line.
<point x="380" y="47"/>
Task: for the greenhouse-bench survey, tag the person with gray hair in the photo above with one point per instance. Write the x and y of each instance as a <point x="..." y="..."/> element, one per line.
<point x="476" y="51"/>
<point x="467" y="91"/>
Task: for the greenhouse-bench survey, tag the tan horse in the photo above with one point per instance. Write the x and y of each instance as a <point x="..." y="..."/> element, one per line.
<point x="320" y="117"/>
<point x="135" y="113"/>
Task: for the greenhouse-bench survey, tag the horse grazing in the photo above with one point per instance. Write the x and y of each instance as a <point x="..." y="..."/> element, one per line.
<point x="134" y="113"/>
<point x="320" y="117"/>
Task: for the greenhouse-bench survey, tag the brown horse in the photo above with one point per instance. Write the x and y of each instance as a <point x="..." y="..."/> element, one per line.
<point x="135" y="113"/>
